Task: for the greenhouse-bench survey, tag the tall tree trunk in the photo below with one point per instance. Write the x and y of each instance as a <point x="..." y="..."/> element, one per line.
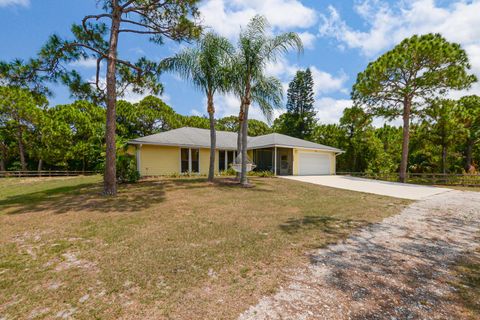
<point x="213" y="137"/>
<point x="444" y="159"/>
<point x="239" y="136"/>
<point x="110" y="176"/>
<point x="40" y="165"/>
<point x="406" y="139"/>
<point x="243" y="174"/>
<point x="21" y="148"/>
<point x="354" y="156"/>
<point x="469" y="155"/>
<point x="3" y="158"/>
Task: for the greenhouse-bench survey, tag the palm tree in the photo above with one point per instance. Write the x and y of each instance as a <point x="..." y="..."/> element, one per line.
<point x="206" y="67"/>
<point x="255" y="49"/>
<point x="267" y="93"/>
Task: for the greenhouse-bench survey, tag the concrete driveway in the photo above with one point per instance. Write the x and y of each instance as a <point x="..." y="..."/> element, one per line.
<point x="384" y="188"/>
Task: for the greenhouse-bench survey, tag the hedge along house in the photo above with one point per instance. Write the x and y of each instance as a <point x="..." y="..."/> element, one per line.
<point x="188" y="150"/>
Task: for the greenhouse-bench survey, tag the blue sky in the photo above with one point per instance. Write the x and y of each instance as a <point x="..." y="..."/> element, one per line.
<point x="340" y="38"/>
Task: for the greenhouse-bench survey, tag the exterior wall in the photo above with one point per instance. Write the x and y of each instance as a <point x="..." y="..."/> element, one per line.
<point x="159" y="160"/>
<point x="164" y="160"/>
<point x="296" y="151"/>
<point x="205" y="161"/>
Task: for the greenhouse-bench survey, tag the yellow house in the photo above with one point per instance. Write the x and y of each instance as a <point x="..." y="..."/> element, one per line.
<point x="188" y="150"/>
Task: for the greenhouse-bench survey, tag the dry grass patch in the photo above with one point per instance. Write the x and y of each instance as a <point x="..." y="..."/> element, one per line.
<point x="172" y="248"/>
<point x="467" y="285"/>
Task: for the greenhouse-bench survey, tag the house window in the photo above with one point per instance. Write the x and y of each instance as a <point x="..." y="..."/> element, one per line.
<point x="194" y="159"/>
<point x="230" y="158"/>
<point x="225" y="159"/>
<point x="263" y="158"/>
<point x="221" y="160"/>
<point x="189" y="160"/>
<point x="185" y="160"/>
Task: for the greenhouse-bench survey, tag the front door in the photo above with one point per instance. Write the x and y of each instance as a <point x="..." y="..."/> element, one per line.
<point x="284" y="161"/>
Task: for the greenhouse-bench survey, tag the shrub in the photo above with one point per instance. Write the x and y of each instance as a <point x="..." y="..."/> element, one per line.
<point x="228" y="172"/>
<point x="231" y="172"/>
<point x="127" y="169"/>
<point x="264" y="174"/>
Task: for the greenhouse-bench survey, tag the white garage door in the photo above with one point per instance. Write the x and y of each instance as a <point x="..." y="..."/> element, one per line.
<point x="313" y="163"/>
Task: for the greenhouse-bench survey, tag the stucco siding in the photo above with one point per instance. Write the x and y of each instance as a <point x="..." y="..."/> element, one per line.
<point x="296" y="152"/>
<point x="163" y="160"/>
<point x="159" y="160"/>
<point x="205" y="161"/>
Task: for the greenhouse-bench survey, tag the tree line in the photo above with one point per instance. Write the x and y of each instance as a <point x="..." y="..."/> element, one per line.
<point x="444" y="139"/>
<point x="36" y="136"/>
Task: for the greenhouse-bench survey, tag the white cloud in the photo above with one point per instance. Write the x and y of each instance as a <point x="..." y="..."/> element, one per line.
<point x="308" y="40"/>
<point x="473" y="51"/>
<point x="324" y="82"/>
<point x="229" y="105"/>
<point x="128" y="94"/>
<point x="195" y="112"/>
<point x="133" y="97"/>
<point x="226" y="17"/>
<point x="387" y="25"/>
<point x="329" y="110"/>
<point x="281" y="68"/>
<point x="6" y="3"/>
<point x="85" y="63"/>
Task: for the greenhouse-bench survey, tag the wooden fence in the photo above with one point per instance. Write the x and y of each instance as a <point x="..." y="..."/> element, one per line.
<point x="471" y="180"/>
<point x="45" y="173"/>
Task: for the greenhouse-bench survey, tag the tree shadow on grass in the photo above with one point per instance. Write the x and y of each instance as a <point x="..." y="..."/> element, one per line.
<point x="325" y="224"/>
<point x="219" y="183"/>
<point x="86" y="197"/>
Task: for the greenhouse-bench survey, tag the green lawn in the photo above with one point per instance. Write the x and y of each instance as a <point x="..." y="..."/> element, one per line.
<point x="163" y="249"/>
<point x="31" y="190"/>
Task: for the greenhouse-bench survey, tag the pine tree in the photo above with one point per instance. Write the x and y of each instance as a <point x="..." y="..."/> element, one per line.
<point x="300" y="117"/>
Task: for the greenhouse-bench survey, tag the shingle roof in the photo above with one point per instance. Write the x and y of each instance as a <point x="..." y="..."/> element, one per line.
<point x="281" y="140"/>
<point x="190" y="137"/>
<point x="195" y="137"/>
